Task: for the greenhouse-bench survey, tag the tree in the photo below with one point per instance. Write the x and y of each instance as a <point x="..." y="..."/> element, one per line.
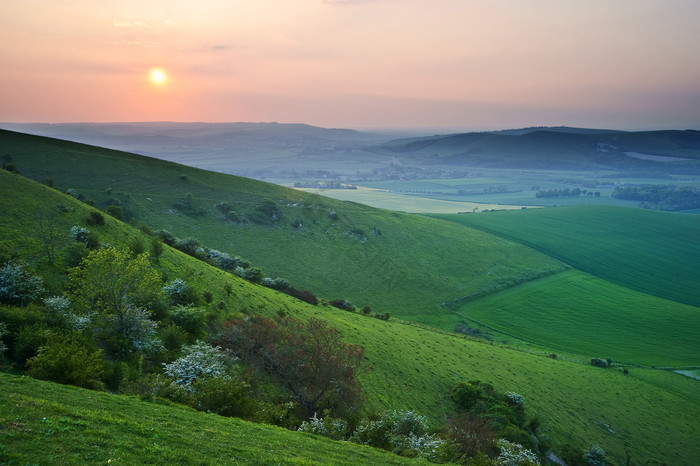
<point x="17" y="285"/>
<point x="119" y="289"/>
<point x="308" y="358"/>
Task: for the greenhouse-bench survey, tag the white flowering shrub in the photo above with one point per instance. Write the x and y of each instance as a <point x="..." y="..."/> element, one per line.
<point x="327" y="427"/>
<point x="513" y="454"/>
<point x="425" y="446"/>
<point x="516" y="399"/>
<point x="80" y="234"/>
<point x="595" y="456"/>
<point x="17" y="285"/>
<point x="58" y="305"/>
<point x="136" y="325"/>
<point x="199" y="361"/>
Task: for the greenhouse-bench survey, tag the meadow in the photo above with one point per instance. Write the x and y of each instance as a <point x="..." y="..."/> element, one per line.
<point x="649" y="413"/>
<point x="648" y="251"/>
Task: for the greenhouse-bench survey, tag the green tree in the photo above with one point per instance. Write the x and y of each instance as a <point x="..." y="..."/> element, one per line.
<point x="118" y="289"/>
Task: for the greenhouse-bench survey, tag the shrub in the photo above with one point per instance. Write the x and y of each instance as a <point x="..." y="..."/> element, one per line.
<point x="513" y="454"/>
<point x="166" y="237"/>
<point x="74" y="253"/>
<point x="115" y="211"/>
<point x="189" y="318"/>
<point x="95" y="218"/>
<point x="17" y="285"/>
<point x="595" y="456"/>
<point x="200" y="361"/>
<point x="305" y="295"/>
<point x="67" y="360"/>
<point x="180" y="292"/>
<point x="191" y="247"/>
<point x="252" y="274"/>
<point x="85" y="236"/>
<point x="275" y="283"/>
<point x="223" y="396"/>
<point x="3" y="331"/>
<point x="336" y="429"/>
<point x="600" y="362"/>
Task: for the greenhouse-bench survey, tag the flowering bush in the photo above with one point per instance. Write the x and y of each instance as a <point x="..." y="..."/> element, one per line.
<point x="80" y="234"/>
<point x="17" y="285"/>
<point x="200" y="361"/>
<point x="516" y="399"/>
<point x="327" y="427"/>
<point x="513" y="454"/>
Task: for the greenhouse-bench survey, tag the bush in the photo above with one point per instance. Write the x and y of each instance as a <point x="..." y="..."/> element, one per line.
<point x="115" y="211"/>
<point x="191" y="247"/>
<point x="222" y="396"/>
<point x="166" y="237"/>
<point x="180" y="292"/>
<point x="94" y="219"/>
<point x="600" y="362"/>
<point x="67" y="360"/>
<point x="189" y="318"/>
<point x="305" y="295"/>
<point x="252" y="274"/>
<point x="17" y="286"/>
<point x="200" y="361"/>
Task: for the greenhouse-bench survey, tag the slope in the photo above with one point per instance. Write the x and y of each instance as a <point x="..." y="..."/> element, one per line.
<point x="649" y="251"/>
<point x="405" y="265"/>
<point x="652" y="414"/>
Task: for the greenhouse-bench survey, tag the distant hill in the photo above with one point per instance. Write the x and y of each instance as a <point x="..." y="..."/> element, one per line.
<point x="555" y="148"/>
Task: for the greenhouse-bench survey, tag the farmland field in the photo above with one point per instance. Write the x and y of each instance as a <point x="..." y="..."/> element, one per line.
<point x="578" y="313"/>
<point x="649" y="251"/>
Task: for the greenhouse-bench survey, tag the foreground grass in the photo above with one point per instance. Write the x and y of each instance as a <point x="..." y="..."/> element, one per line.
<point x="46" y="423"/>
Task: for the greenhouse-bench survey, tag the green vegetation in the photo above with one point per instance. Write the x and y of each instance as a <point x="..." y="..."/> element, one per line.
<point x="652" y="252"/>
<point x="49" y="423"/>
<point x="649" y="414"/>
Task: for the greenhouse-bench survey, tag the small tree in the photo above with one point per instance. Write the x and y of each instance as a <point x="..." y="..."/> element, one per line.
<point x="118" y="288"/>
<point x="308" y="358"/>
<point x="48" y="232"/>
<point x="17" y="285"/>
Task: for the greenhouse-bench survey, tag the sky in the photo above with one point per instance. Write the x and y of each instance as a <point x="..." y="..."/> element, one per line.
<point x="621" y="64"/>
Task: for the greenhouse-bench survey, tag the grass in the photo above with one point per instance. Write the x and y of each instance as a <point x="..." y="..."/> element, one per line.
<point x="654" y="414"/>
<point x="578" y="313"/>
<point x="649" y="251"/>
<point x="367" y="255"/>
<point x="42" y="422"/>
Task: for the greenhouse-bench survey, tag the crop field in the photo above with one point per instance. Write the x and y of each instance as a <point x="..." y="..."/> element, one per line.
<point x="405" y="203"/>
<point x="578" y="313"/>
<point x="649" y="251"/>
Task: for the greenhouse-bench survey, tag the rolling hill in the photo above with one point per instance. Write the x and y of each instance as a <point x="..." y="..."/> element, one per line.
<point x="650" y="414"/>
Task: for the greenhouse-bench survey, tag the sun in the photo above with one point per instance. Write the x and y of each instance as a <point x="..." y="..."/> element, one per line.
<point x="158" y="76"/>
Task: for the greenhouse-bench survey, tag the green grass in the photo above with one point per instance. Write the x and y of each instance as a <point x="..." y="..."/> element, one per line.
<point x="436" y="261"/>
<point x="46" y="423"/>
<point x="654" y="414"/>
<point x="649" y="251"/>
<point x="578" y="313"/>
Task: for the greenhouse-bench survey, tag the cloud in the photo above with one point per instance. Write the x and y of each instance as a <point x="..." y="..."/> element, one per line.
<point x="125" y="23"/>
<point x="136" y="43"/>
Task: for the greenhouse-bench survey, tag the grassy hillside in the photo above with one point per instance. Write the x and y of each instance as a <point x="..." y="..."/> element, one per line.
<point x="579" y="313"/>
<point x="544" y="148"/>
<point x="46" y="423"/>
<point x="368" y="256"/>
<point x="651" y="414"/>
<point x="649" y="251"/>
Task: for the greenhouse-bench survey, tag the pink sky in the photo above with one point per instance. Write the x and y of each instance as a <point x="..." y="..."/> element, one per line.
<point x="626" y="64"/>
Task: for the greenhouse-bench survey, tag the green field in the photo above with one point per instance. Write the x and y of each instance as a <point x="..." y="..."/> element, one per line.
<point x="652" y="252"/>
<point x="579" y="313"/>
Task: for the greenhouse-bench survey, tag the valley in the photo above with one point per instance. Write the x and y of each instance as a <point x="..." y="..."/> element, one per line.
<point x="605" y="280"/>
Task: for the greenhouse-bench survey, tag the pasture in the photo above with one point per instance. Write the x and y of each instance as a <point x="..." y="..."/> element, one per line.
<point x="652" y="252"/>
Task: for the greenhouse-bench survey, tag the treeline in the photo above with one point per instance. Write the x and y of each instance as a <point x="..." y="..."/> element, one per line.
<point x="566" y="192"/>
<point x="661" y="197"/>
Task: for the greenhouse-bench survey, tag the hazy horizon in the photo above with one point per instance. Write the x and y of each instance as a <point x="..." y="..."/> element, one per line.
<point x="361" y="64"/>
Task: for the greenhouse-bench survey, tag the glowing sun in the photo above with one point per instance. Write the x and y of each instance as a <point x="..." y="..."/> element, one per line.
<point x="158" y="76"/>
